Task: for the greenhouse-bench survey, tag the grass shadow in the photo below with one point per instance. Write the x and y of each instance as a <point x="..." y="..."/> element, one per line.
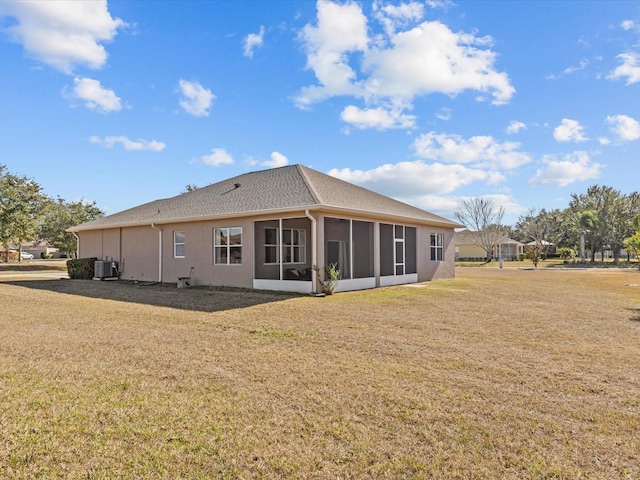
<point x="201" y="299"/>
<point x="635" y="314"/>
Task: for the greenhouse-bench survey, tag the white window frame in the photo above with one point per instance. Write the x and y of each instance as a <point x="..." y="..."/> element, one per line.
<point x="288" y="250"/>
<point x="177" y="244"/>
<point x="399" y="240"/>
<point x="436" y="247"/>
<point x="228" y="247"/>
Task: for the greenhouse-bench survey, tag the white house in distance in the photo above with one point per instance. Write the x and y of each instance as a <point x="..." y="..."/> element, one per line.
<point x="267" y="229"/>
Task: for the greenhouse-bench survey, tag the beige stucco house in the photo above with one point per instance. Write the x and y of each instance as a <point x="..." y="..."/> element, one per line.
<point x="267" y="229"/>
<point x="466" y="246"/>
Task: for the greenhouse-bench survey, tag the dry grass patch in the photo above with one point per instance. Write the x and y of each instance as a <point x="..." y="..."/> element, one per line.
<point x="496" y="374"/>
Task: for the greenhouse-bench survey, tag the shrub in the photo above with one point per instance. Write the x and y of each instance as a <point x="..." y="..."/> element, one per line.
<point x="45" y="255"/>
<point x="331" y="277"/>
<point x="566" y="253"/>
<point x="81" y="268"/>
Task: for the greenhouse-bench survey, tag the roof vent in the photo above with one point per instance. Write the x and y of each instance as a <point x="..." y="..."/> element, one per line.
<point x="236" y="185"/>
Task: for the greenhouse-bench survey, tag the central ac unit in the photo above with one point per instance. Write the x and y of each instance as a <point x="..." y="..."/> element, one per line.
<point x="105" y="269"/>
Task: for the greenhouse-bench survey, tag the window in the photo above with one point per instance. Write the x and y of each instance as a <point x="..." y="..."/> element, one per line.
<point x="271" y="245"/>
<point x="293" y="246"/>
<point x="178" y="244"/>
<point x="436" y="247"/>
<point x="227" y="246"/>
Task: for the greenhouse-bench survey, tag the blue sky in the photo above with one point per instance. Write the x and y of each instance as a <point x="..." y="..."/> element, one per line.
<point x="428" y="102"/>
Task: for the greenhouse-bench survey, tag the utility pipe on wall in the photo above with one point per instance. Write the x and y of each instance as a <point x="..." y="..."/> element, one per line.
<point x="77" y="244"/>
<point x="314" y="248"/>
<point x="159" y="251"/>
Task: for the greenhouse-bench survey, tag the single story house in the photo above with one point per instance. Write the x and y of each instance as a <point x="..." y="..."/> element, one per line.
<point x="268" y="229"/>
<point x="466" y="247"/>
<point x="550" y="248"/>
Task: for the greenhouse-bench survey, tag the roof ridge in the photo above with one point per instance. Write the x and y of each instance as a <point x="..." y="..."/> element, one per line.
<point x="312" y="191"/>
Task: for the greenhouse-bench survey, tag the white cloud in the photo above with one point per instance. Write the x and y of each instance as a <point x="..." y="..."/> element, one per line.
<point x="574" y="167"/>
<point x="252" y="41"/>
<point x="440" y="61"/>
<point x="94" y="95"/>
<point x="376" y="118"/>
<point x="515" y="126"/>
<point x="217" y="157"/>
<point x="444" y="114"/>
<point x="629" y="25"/>
<point x="624" y="127"/>
<point x="630" y="68"/>
<point x="395" y="16"/>
<point x="481" y="151"/>
<point x="64" y="33"/>
<point x="414" y="179"/>
<point x="277" y="160"/>
<point x="569" y="70"/>
<point x="196" y="100"/>
<point x="569" y="131"/>
<point x="127" y="144"/>
<point x="341" y="29"/>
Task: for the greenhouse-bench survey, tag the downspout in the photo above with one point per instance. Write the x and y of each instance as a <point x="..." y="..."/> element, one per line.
<point x="77" y="244"/>
<point x="314" y="248"/>
<point x="159" y="251"/>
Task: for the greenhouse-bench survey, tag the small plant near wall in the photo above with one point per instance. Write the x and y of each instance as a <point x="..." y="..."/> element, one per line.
<point x="330" y="279"/>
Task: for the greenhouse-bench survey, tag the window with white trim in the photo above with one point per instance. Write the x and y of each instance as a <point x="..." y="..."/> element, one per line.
<point x="437" y="247"/>
<point x="294" y="245"/>
<point x="227" y="246"/>
<point x="178" y="244"/>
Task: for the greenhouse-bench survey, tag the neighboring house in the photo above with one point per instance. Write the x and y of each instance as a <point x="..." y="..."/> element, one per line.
<point x="467" y="249"/>
<point x="37" y="249"/>
<point x="550" y="248"/>
<point x="267" y="229"/>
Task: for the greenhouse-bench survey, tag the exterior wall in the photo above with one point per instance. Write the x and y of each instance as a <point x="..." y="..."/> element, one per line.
<point x="102" y="244"/>
<point x="137" y="249"/>
<point x="139" y="254"/>
<point x="435" y="270"/>
<point x="199" y="254"/>
<point x="471" y="251"/>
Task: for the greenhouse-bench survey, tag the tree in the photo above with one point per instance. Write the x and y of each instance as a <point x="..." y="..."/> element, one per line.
<point x="59" y="216"/>
<point x="604" y="216"/>
<point x="625" y="210"/>
<point x="588" y="223"/>
<point x="190" y="188"/>
<point x="536" y="227"/>
<point x="632" y="243"/>
<point x="480" y="215"/>
<point x="21" y="203"/>
<point x="533" y="253"/>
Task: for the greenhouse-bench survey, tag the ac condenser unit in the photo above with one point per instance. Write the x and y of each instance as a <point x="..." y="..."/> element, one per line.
<point x="104" y="269"/>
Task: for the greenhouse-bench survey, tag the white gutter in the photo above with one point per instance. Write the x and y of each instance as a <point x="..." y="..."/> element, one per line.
<point x="314" y="248"/>
<point x="153" y="225"/>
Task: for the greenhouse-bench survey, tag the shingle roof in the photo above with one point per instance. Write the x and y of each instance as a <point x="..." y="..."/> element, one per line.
<point x="279" y="189"/>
